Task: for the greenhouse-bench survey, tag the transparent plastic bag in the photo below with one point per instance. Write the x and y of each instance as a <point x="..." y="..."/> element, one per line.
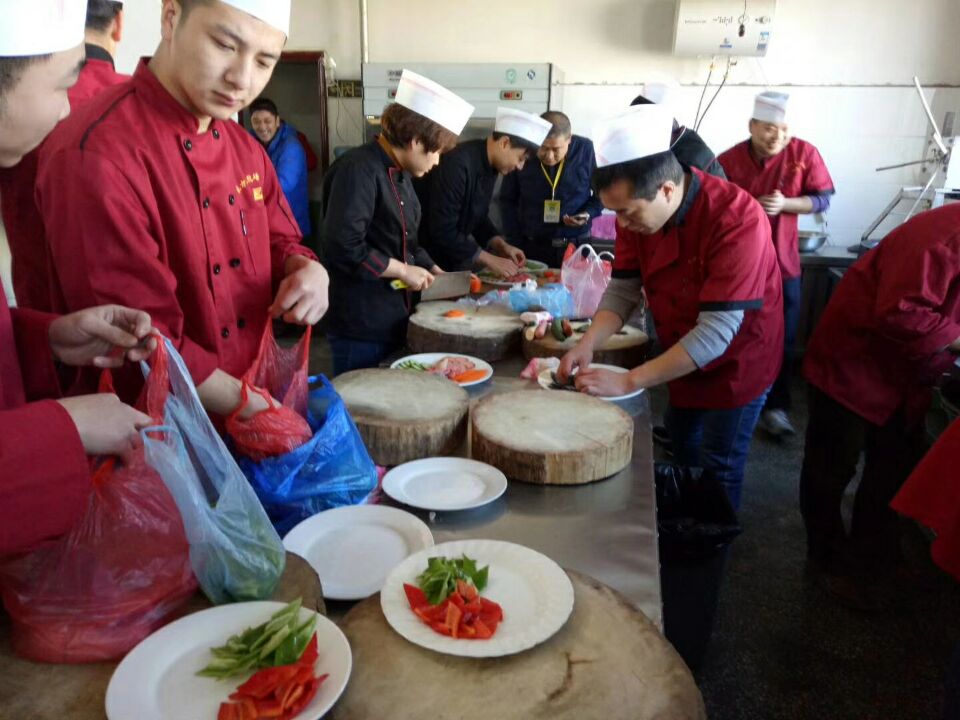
<point x="586" y="274"/>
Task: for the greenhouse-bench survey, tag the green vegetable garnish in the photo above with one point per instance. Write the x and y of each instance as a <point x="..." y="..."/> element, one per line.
<point x="440" y="577"/>
<point x="279" y="641"/>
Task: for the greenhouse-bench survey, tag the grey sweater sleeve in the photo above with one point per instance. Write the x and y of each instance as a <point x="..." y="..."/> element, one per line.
<point x="622" y="296"/>
<point x="712" y="335"/>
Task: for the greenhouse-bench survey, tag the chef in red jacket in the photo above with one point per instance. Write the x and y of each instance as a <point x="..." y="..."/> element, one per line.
<point x="889" y="331"/>
<point x="151" y="191"/>
<point x="44" y="442"/>
<point x="21" y="219"/>
<point x="701" y="249"/>
<point x="789" y="178"/>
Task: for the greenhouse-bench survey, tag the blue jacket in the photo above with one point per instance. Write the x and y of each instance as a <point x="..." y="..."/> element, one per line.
<point x="290" y="162"/>
<point x="523" y="193"/>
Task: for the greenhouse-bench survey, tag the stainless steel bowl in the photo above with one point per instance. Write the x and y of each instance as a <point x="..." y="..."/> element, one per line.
<point x="811" y="240"/>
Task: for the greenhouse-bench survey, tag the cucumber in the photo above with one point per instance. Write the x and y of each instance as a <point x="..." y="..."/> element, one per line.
<point x="557" y="329"/>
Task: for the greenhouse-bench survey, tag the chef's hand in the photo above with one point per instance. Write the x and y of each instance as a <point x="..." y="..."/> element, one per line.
<point x="578" y="358"/>
<point x="772" y="204"/>
<point x="102" y="336"/>
<point x="575" y="221"/>
<point x="302" y="298"/>
<point x="501" y="247"/>
<point x="504" y="267"/>
<point x="416" y="277"/>
<point x="106" y="426"/>
<point x="604" y="383"/>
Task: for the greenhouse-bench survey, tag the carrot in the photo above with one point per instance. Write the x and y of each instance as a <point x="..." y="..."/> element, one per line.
<point x="454" y="314"/>
<point x="476" y="285"/>
<point x="470" y="376"/>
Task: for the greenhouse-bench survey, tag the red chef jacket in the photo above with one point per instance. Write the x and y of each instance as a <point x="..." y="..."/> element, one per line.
<point x="714" y="254"/>
<point x="796" y="170"/>
<point x="931" y="496"/>
<point x="24" y="226"/>
<point x="44" y="476"/>
<point x="140" y="209"/>
<point x="880" y="342"/>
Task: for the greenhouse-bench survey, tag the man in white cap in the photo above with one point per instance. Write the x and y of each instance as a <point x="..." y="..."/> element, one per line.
<point x="688" y="147"/>
<point x="44" y="443"/>
<point x="701" y="249"/>
<point x="789" y="178"/>
<point x="458" y="230"/>
<point x="21" y="218"/>
<point x="371" y="218"/>
<point x="150" y="191"/>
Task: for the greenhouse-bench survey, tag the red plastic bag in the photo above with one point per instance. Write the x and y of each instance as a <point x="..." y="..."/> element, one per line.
<point x="280" y="373"/>
<point x="586" y="274"/>
<point x="120" y="573"/>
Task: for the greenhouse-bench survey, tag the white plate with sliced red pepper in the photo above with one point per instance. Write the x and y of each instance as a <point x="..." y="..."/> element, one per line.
<point x="477" y="598"/>
<point x="234" y="662"/>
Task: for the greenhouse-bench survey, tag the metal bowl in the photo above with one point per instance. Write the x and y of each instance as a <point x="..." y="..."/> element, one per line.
<point x="811" y="240"/>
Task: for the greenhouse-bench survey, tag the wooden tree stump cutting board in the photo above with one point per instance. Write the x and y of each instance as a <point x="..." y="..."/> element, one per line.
<point x="628" y="350"/>
<point x="491" y="332"/>
<point x="405" y="415"/>
<point x="608" y="662"/>
<point x="552" y="437"/>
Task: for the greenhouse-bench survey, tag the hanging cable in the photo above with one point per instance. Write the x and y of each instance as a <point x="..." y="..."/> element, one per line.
<point x="696" y="117"/>
<point x="722" y="83"/>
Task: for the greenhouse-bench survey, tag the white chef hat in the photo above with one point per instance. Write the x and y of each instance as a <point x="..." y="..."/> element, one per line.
<point x="275" y="13"/>
<point x="527" y="126"/>
<point x="38" y="27"/>
<point x="770" y="107"/>
<point x="433" y="101"/>
<point x="639" y="132"/>
<point x="661" y="91"/>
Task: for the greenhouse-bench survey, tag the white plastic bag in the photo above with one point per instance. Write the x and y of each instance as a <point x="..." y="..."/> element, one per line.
<point x="586" y="274"/>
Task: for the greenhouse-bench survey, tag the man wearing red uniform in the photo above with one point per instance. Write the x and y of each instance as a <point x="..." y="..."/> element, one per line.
<point x="788" y="178"/>
<point x="701" y="249"/>
<point x="150" y="191"/>
<point x="44" y="442"/>
<point x="21" y="219"/>
<point x="889" y="331"/>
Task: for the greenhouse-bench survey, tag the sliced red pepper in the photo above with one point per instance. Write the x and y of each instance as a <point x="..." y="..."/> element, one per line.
<point x="415" y="596"/>
<point x="263" y="682"/>
<point x="467" y="590"/>
<point x="228" y="711"/>
<point x="489" y="607"/>
<point x="456" y="599"/>
<point x="452" y="619"/>
<point x="309" y="691"/>
<point x="311" y="653"/>
<point x="483" y="632"/>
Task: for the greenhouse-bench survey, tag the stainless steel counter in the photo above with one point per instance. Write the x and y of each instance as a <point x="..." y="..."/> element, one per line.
<point x="606" y="529"/>
<point x="828" y="256"/>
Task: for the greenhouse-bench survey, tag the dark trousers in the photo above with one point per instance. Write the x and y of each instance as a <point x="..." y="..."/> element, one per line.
<point x="835" y="438"/>
<point x="349" y="354"/>
<point x="779" y="397"/>
<point x="716" y="440"/>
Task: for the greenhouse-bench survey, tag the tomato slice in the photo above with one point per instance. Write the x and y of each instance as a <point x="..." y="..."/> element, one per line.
<point x="452" y="619"/>
<point x="228" y="711"/>
<point x="483" y="632"/>
<point x="491" y="609"/>
<point x="467" y="590"/>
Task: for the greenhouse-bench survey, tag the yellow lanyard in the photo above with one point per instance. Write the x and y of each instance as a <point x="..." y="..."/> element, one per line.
<point x="556" y="181"/>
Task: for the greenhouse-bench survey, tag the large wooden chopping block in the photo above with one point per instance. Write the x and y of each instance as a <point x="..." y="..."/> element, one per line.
<point x="552" y="437"/>
<point x="405" y="415"/>
<point x="625" y="350"/>
<point x="609" y="662"/>
<point x="491" y="332"/>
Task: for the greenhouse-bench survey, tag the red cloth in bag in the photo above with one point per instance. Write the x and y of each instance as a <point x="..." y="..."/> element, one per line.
<point x="280" y="373"/>
<point x="120" y="573"/>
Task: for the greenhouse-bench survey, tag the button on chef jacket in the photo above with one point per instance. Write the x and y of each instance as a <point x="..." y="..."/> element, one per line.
<point x="881" y="340"/>
<point x="44" y="476"/>
<point x="141" y="209"/>
<point x="714" y="254"/>
<point x="370" y="215"/>
<point x="455" y="197"/>
<point x="21" y="219"/>
<point x="796" y="170"/>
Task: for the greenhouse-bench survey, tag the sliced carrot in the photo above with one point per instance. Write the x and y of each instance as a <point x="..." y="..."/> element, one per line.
<point x="454" y="314"/>
<point x="470" y="376"/>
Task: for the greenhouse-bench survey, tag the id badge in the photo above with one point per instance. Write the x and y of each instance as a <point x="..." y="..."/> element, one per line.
<point x="551" y="211"/>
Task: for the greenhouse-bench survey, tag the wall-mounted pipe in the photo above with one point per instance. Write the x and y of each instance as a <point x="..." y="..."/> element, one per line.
<point x="364" y="40"/>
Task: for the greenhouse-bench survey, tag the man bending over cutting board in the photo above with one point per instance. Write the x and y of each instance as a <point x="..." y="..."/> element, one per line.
<point x="371" y="218"/>
<point x="701" y="249"/>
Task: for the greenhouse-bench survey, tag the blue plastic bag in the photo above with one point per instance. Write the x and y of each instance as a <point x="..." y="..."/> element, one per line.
<point x="331" y="470"/>
<point x="234" y="550"/>
<point x="554" y="298"/>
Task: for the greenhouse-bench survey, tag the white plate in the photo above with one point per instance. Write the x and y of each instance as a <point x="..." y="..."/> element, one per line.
<point x="158" y="680"/>
<point x="535" y="593"/>
<point x="432" y="358"/>
<point x="354" y="548"/>
<point x="533" y="267"/>
<point x="546" y="381"/>
<point x="445" y="483"/>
